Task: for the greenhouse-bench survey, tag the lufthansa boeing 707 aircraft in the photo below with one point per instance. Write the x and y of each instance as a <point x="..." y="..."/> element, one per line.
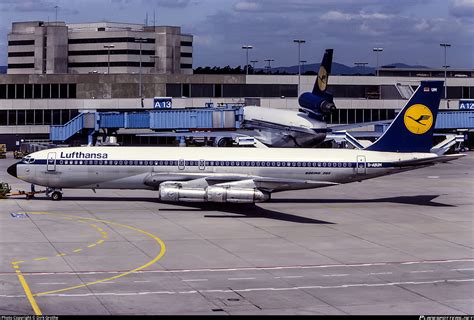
<point x="242" y="175"/>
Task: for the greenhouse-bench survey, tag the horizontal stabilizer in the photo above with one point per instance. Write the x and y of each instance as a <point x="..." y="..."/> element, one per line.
<point x="428" y="161"/>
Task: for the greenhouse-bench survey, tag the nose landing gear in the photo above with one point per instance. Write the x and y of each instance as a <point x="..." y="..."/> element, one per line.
<point x="54" y="194"/>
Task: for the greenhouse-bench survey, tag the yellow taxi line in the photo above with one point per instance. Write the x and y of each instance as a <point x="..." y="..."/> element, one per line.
<point x="28" y="293"/>
<point x="146" y="265"/>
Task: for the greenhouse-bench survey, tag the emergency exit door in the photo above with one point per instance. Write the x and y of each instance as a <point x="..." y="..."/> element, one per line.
<point x="51" y="161"/>
<point x="361" y="166"/>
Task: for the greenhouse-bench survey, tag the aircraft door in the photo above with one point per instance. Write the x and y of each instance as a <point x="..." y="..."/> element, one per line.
<point x="51" y="161"/>
<point x="181" y="164"/>
<point x="202" y="164"/>
<point x="361" y="166"/>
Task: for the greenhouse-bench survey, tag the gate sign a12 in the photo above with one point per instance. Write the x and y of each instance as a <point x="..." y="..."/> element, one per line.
<point x="466" y="104"/>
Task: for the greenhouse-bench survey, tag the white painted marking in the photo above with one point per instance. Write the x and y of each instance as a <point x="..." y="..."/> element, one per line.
<point x="105" y="282"/>
<point x="376" y="273"/>
<point x="421" y="271"/>
<point x="433" y="177"/>
<point x="250" y="289"/>
<point x="140" y="281"/>
<point x="242" y="269"/>
<point x="52" y="283"/>
<point x="194" y="280"/>
<point x="463" y="269"/>
<point x="464" y="280"/>
<point x="12" y="296"/>
<point x="437" y="261"/>
<point x="336" y="275"/>
<point x="241" y="279"/>
<point x="292" y="277"/>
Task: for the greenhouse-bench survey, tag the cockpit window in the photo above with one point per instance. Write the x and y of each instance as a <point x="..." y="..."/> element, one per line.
<point x="28" y="159"/>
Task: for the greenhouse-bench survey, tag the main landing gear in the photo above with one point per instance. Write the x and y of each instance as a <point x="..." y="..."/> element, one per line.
<point x="54" y="194"/>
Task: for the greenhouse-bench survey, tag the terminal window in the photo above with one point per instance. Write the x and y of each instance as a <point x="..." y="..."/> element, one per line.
<point x="3" y="91"/>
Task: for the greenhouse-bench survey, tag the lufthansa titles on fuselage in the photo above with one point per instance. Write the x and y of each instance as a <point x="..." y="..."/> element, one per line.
<point x="83" y="155"/>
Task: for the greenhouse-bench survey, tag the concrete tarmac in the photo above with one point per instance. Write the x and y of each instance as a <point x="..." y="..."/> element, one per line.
<point x="400" y="244"/>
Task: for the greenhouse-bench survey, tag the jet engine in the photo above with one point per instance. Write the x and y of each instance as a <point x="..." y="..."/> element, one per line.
<point x="176" y="193"/>
<point x="319" y="104"/>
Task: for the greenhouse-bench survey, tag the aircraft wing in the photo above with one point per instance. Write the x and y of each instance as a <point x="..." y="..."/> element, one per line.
<point x="265" y="183"/>
<point x="275" y="184"/>
<point x="203" y="180"/>
<point x="342" y="127"/>
<point x="241" y="137"/>
<point x="201" y="134"/>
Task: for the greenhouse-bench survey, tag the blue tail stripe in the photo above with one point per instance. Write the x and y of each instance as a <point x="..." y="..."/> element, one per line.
<point x="398" y="137"/>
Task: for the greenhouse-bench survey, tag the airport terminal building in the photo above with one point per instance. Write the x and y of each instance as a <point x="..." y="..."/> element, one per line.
<point x="58" y="70"/>
<point x="30" y="103"/>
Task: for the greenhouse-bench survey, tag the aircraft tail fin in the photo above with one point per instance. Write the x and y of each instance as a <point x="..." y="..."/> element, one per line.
<point x="412" y="129"/>
<point x="321" y="82"/>
<point x="319" y="102"/>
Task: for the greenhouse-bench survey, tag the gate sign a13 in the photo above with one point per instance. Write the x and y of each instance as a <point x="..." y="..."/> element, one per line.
<point x="162" y="103"/>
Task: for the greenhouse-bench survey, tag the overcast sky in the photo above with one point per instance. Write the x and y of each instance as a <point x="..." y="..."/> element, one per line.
<point x="410" y="31"/>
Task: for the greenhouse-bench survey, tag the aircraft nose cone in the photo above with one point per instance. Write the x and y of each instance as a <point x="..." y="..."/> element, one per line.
<point x="12" y="170"/>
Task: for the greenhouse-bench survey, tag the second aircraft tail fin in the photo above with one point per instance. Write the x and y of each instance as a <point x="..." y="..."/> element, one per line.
<point x="323" y="73"/>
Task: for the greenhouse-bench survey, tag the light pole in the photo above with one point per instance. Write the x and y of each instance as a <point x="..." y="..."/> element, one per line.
<point x="377" y="50"/>
<point x="108" y="47"/>
<point x="253" y="62"/>
<point x="154" y="61"/>
<point x="299" y="42"/>
<point x="247" y="48"/>
<point x="363" y="64"/>
<point x="56" y="15"/>
<point x="302" y="65"/>
<point x="140" y="41"/>
<point x="446" y="46"/>
<point x="269" y="64"/>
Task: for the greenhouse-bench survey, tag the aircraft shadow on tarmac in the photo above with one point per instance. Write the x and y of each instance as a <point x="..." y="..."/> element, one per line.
<point x="256" y="211"/>
<point x="246" y="210"/>
<point x="419" y="200"/>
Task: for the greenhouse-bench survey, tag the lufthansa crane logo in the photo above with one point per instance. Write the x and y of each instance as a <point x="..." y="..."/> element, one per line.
<point x="322" y="78"/>
<point x="418" y="119"/>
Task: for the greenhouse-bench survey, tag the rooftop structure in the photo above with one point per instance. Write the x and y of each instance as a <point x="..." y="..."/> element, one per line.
<point x="39" y="47"/>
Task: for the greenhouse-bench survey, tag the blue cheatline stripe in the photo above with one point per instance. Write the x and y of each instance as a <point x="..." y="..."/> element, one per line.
<point x="214" y="163"/>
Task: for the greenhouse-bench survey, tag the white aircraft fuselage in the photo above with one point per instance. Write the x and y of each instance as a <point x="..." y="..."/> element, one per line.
<point x="247" y="170"/>
<point x="284" y="128"/>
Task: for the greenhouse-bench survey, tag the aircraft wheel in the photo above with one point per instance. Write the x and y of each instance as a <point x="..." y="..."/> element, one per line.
<point x="56" y="196"/>
<point x="224" y="142"/>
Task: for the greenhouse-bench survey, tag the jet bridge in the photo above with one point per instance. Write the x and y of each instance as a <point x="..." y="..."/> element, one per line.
<point x="220" y="118"/>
